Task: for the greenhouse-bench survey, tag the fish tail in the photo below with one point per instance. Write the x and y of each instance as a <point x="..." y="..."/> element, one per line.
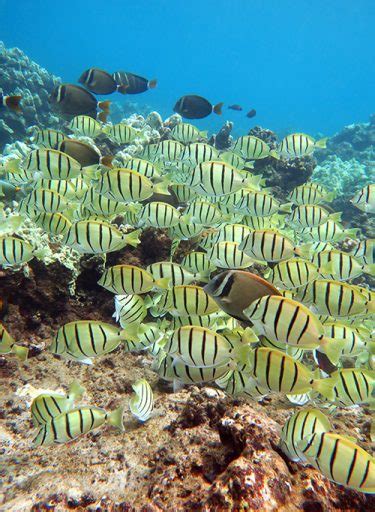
<point x="20" y="352"/>
<point x="274" y="154"/>
<point x="114" y="418"/>
<point x="162" y="283"/>
<point x="107" y="160"/>
<point x="369" y="269"/>
<point x="152" y="83"/>
<point x="332" y="348"/>
<point x="324" y="387"/>
<point x="13" y="102"/>
<point x="351" y="233"/>
<point x="76" y="391"/>
<point x="102" y="116"/>
<point x="218" y="108"/>
<point x="162" y="187"/>
<point x="322" y="143"/>
<point x="133" y="238"/>
<point x="203" y="277"/>
<point x="104" y="105"/>
<point x="370" y="306"/>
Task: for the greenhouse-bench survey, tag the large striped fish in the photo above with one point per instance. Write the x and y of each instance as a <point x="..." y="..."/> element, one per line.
<point x="353" y="386"/>
<point x="195" y="154"/>
<point x="310" y="193"/>
<point x="253" y="148"/>
<point x="48" y="139"/>
<point x="187" y="133"/>
<point x="129" y="279"/>
<point x="228" y="255"/>
<point x="14" y="251"/>
<point x="186" y="300"/>
<point x="335" y="264"/>
<point x="53" y="164"/>
<point x="159" y="215"/>
<point x="268" y="245"/>
<point x="86" y="126"/>
<point x="293" y="273"/>
<point x="299" y="145"/>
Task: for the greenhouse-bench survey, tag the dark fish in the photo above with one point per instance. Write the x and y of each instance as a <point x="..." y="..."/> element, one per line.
<point x="235" y="290"/>
<point x="128" y="83"/>
<point x="98" y="81"/>
<point x="11" y="102"/>
<point x="235" y="107"/>
<point x="196" y="107"/>
<point x="85" y="154"/>
<point x="251" y="113"/>
<point x="73" y="100"/>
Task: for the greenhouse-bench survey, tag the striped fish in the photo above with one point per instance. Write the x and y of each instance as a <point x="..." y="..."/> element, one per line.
<point x="187" y="133"/>
<point x="296" y="353"/>
<point x="184" y="230"/>
<point x="365" y="251"/>
<point x="228" y="255"/>
<point x="186" y="300"/>
<point x="299" y="144"/>
<point x="149" y="152"/>
<point x="86" y="126"/>
<point x="169" y="150"/>
<point x="130" y="309"/>
<point x="336" y="298"/>
<point x="198" y="263"/>
<point x="143" y="167"/>
<point x="253" y="148"/>
<point x="172" y="370"/>
<point x="293" y="273"/>
<point x="280" y="373"/>
<point x="340" y="265"/>
<point x="159" y="215"/>
<point x="182" y="192"/>
<point x="8" y="345"/>
<point x="239" y="382"/>
<point x="233" y="159"/>
<point x="14" y="251"/>
<point x="300" y="425"/>
<point x="354" y="339"/>
<point x="52" y="164"/>
<point x="201" y="348"/>
<point x="207" y="238"/>
<point x="267" y="245"/>
<point x="353" y="386"/>
<point x="44" y="200"/>
<point x="142" y="404"/>
<point x="71" y="424"/>
<point x="97" y="237"/>
<point x="203" y="212"/>
<point x="208" y="321"/>
<point x="195" y="154"/>
<point x="47" y="406"/>
<point x="129" y="280"/>
<point x="63" y="187"/>
<point x="79" y="186"/>
<point x="173" y="271"/>
<point x="124" y="185"/>
<point x="100" y="205"/>
<point x="364" y="199"/>
<point x="83" y="339"/>
<point x="122" y="133"/>
<point x="53" y="223"/>
<point x="257" y="223"/>
<point x="311" y="215"/>
<point x="48" y="139"/>
<point x="258" y="203"/>
<point x="340" y="460"/>
<point x="310" y="193"/>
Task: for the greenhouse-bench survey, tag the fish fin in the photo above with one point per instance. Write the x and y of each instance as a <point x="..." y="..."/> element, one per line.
<point x="177" y="385"/>
<point x="303" y="250"/>
<point x="322" y="143"/>
<point x="328" y="268"/>
<point x="13" y="103"/>
<point x="76" y="391"/>
<point x="114" y="418"/>
<point x="163" y="283"/>
<point x="218" y="108"/>
<point x="152" y="83"/>
<point x="122" y="88"/>
<point x="351" y="233"/>
<point x="242" y="352"/>
<point x="249" y="336"/>
<point x="162" y="187"/>
<point x="104" y="105"/>
<point x="330" y="197"/>
<point x="325" y="387"/>
<point x="336" y="217"/>
<point x="287" y="207"/>
<point x="332" y="348"/>
<point x="203" y="277"/>
<point x="148" y="301"/>
<point x="102" y="116"/>
<point x="43" y="433"/>
<point x="274" y="154"/>
<point x="204" y="134"/>
<point x="370" y="306"/>
<point x="20" y="352"/>
<point x="107" y="160"/>
<point x="174" y="247"/>
<point x="133" y="238"/>
<point x="369" y="269"/>
<point x="13" y="165"/>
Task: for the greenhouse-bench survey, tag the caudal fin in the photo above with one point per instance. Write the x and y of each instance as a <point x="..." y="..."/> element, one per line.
<point x="13" y="103"/>
<point x="107" y="160"/>
<point x="218" y="108"/>
<point x="104" y="105"/>
<point x="115" y="418"/>
<point x="102" y="116"/>
<point x="322" y="143"/>
<point x="20" y="352"/>
<point x="152" y="84"/>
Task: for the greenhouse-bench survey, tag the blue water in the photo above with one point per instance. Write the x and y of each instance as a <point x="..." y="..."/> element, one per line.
<point x="303" y="65"/>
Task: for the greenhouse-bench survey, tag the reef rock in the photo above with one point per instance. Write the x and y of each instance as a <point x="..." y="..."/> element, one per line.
<point x="20" y="75"/>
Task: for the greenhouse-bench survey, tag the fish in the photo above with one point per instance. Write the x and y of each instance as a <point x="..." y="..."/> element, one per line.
<point x="186" y="300"/>
<point x="355" y="339"/>
<point x="142" y="404"/>
<point x="203" y="212"/>
<point x="253" y="148"/>
<point x="74" y="423"/>
<point x="122" y="133"/>
<point x="8" y="345"/>
<point x="11" y="102"/>
<point x="353" y="386"/>
<point x="198" y="263"/>
<point x="340" y="460"/>
<point x="144" y="167"/>
<point x="86" y="126"/>
<point x="365" y="251"/>
<point x="240" y="383"/>
<point x="300" y="425"/>
<point x="14" y="251"/>
<point x="196" y="107"/>
<point x="280" y="373"/>
<point x="209" y="321"/>
<point x="73" y="100"/>
<point x="53" y="164"/>
<point x="285" y="320"/>
<point x="183" y="230"/>
<point x="341" y="266"/>
<point x="175" y="272"/>
<point x="187" y="133"/>
<point x="310" y="216"/>
<point x="329" y="231"/>
<point x="251" y="113"/>
<point x="201" y="348"/>
<point x="364" y="199"/>
<point x="183" y="193"/>
<point x="268" y="245"/>
<point x="225" y="254"/>
<point x="297" y="145"/>
<point x="235" y="107"/>
<point x="159" y="215"/>
<point x="232" y="158"/>
<point x="53" y="223"/>
<point x="98" y="81"/>
<point x="98" y="237"/>
<point x="130" y="280"/>
<point x="99" y="205"/>
<point x="47" y="406"/>
<point x="198" y="152"/>
<point x="84" y="153"/>
<point x="293" y="273"/>
<point x="48" y="138"/>
<point x="336" y="298"/>
<point x="310" y="193"/>
<point x="235" y="290"/>
<point x="129" y="83"/>
<point x="130" y="309"/>
<point x="82" y="340"/>
<point x="262" y="204"/>
<point x="169" y="150"/>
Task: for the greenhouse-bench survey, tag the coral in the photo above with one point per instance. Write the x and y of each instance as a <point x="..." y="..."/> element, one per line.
<point x="265" y="134"/>
<point x="20" y="75"/>
<point x="223" y="139"/>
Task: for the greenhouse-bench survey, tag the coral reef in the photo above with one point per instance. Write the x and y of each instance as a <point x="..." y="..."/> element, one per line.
<point x="223" y="139"/>
<point x="20" y="75"/>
